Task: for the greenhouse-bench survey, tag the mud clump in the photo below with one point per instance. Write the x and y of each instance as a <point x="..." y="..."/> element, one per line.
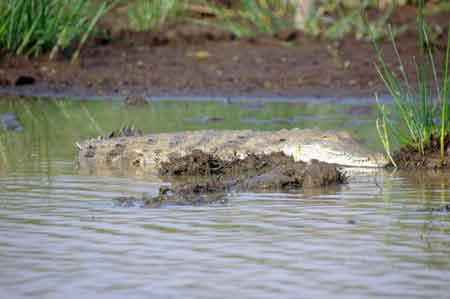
<point x="203" y="178"/>
<point x="189" y="194"/>
<point x="319" y="174"/>
<point x="294" y="175"/>
<point x="197" y="163"/>
<point x="409" y="157"/>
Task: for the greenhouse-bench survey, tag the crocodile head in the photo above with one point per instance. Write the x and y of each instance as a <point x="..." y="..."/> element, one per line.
<point x="345" y="154"/>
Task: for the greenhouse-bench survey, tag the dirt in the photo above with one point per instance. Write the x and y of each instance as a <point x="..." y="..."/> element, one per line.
<point x="274" y="171"/>
<point x="201" y="178"/>
<point x="199" y="163"/>
<point x="207" y="193"/>
<point x="189" y="60"/>
<point x="410" y="158"/>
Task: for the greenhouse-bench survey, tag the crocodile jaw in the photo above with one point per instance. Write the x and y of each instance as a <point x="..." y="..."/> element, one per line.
<point x="325" y="153"/>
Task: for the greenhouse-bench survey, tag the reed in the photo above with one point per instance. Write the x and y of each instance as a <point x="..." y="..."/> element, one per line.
<point x="422" y="112"/>
<point x="253" y="17"/>
<point x="146" y="15"/>
<point x="32" y="27"/>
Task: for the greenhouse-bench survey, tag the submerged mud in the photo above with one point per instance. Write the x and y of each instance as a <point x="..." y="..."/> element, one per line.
<point x="210" y="192"/>
<point x="203" y="178"/>
<point x="409" y="157"/>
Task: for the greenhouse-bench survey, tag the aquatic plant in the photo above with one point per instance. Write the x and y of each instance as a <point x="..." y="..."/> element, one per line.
<point x="149" y="14"/>
<point x="422" y="112"/>
<point x="31" y="27"/>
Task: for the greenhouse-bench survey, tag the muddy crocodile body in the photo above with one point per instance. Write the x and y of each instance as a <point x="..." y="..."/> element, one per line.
<point x="149" y="151"/>
<point x="204" y="179"/>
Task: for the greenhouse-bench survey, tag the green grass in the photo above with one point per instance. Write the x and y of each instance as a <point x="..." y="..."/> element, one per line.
<point x="146" y="15"/>
<point x="32" y="27"/>
<point x="423" y="111"/>
<point x="253" y="17"/>
<point x="330" y="19"/>
<point x="343" y="21"/>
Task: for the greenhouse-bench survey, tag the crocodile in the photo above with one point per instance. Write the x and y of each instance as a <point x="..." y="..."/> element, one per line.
<point x="147" y="152"/>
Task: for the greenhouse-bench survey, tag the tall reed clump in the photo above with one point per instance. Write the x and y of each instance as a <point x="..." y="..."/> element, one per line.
<point x="252" y="17"/>
<point x="423" y="112"/>
<point x="31" y="27"/>
<point x="149" y="14"/>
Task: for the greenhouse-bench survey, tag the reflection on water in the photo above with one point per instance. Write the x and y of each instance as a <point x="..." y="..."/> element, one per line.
<point x="384" y="235"/>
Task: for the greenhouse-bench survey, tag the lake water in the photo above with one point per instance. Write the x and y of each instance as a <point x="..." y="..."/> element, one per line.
<point x="383" y="235"/>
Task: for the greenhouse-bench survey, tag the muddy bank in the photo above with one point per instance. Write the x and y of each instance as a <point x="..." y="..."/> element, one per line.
<point x="187" y="59"/>
<point x="202" y="178"/>
<point x="410" y="158"/>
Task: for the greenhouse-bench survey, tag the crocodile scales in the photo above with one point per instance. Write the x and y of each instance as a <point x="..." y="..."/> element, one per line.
<point x="147" y="152"/>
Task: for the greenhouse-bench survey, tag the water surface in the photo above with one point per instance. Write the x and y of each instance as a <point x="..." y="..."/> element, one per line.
<point x="383" y="235"/>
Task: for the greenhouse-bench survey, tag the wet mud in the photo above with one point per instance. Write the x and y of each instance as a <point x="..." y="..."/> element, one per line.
<point x="207" y="193"/>
<point x="410" y="158"/>
<point x="201" y="178"/>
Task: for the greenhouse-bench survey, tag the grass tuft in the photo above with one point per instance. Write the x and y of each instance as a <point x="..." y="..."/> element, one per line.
<point x="253" y="17"/>
<point x="146" y="15"/>
<point x="423" y="112"/>
<point x="32" y="27"/>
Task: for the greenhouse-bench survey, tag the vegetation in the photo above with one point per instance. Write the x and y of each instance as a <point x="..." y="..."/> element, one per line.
<point x="331" y="19"/>
<point x="252" y="17"/>
<point x="423" y="112"/>
<point x="351" y="19"/>
<point x="31" y="27"/>
<point x="149" y="14"/>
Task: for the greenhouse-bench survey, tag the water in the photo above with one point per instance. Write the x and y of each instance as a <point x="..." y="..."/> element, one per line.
<point x="383" y="235"/>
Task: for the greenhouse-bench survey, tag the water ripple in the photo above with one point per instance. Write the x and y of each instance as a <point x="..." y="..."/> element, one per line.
<point x="376" y="237"/>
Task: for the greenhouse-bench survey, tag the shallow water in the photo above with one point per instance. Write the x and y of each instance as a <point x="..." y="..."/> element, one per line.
<point x="383" y="235"/>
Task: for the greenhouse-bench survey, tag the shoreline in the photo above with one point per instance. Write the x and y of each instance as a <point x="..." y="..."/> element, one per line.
<point x="327" y="98"/>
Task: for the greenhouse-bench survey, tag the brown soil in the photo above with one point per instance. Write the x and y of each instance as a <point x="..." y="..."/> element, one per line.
<point x="409" y="157"/>
<point x="192" y="194"/>
<point x="201" y="164"/>
<point x="201" y="178"/>
<point x="186" y="59"/>
<point x="274" y="171"/>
